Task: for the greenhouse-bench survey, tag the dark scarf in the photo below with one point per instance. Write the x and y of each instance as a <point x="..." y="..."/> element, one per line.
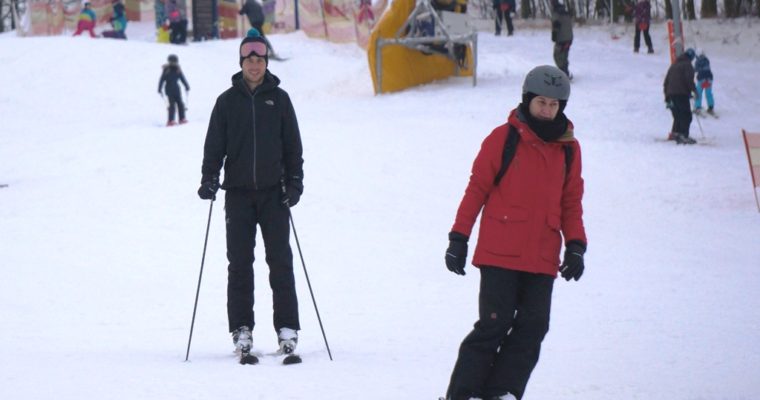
<point x="548" y="131"/>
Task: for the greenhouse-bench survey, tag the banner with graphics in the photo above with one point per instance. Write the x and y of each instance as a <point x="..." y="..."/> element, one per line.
<point x="228" y="19"/>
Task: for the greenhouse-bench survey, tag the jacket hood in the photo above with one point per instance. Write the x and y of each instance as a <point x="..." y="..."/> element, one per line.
<point x="270" y="82"/>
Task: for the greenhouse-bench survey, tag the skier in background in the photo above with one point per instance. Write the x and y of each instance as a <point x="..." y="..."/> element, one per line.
<point x="255" y="13"/>
<point x="171" y="75"/>
<point x="704" y="83"/>
<point x="641" y="14"/>
<point x="524" y="218"/>
<point x="678" y="87"/>
<point x="562" y="36"/>
<point x="503" y="10"/>
<point x="253" y="132"/>
<point x="118" y="21"/>
<point x="87" y="20"/>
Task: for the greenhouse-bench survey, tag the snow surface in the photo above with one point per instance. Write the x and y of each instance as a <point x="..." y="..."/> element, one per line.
<point x="101" y="231"/>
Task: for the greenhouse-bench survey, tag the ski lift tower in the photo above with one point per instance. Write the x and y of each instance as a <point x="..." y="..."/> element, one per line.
<point x="432" y="31"/>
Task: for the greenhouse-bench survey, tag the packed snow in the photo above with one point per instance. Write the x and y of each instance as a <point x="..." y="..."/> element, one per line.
<point x="101" y="230"/>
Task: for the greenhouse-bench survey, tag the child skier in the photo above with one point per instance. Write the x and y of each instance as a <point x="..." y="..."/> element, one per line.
<point x="704" y="83"/>
<point x="171" y="74"/>
<point x="87" y="20"/>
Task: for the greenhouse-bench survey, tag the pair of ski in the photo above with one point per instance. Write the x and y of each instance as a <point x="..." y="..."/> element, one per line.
<point x="698" y="112"/>
<point x="248" y="358"/>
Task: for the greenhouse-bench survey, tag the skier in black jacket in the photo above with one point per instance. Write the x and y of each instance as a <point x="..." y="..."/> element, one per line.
<point x="171" y="76"/>
<point x="254" y="133"/>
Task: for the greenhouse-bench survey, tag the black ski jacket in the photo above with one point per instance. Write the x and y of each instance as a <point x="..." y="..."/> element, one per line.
<point x="255" y="136"/>
<point x="171" y="75"/>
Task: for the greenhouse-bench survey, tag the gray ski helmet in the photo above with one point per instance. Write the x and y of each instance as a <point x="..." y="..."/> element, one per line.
<point x="173" y="59"/>
<point x="548" y="81"/>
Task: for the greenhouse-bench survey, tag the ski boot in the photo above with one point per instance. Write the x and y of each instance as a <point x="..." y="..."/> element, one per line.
<point x="182" y="121"/>
<point x="243" y="341"/>
<point x="287" y="339"/>
<point x="171" y="123"/>
<point x="683" y="139"/>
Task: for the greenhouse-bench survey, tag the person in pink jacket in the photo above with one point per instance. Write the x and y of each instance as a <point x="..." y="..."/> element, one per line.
<point x="528" y="204"/>
<point x="86" y="21"/>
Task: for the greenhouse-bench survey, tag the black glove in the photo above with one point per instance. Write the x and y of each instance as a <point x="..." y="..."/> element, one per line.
<point x="572" y="266"/>
<point x="291" y="192"/>
<point x="209" y="187"/>
<point x="456" y="254"/>
<point x="669" y="104"/>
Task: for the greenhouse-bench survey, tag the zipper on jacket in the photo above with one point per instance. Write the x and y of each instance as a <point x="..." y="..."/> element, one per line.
<point x="253" y="114"/>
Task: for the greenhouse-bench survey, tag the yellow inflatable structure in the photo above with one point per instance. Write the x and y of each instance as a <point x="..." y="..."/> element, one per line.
<point x="399" y="64"/>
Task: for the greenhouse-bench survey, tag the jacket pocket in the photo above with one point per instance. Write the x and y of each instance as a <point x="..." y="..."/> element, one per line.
<point x="551" y="239"/>
<point x="504" y="231"/>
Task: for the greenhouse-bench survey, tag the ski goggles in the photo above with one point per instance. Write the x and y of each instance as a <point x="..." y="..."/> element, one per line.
<point x="249" y="48"/>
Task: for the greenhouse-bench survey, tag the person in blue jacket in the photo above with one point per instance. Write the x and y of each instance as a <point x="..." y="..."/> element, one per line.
<point x="704" y="83"/>
<point x="171" y="76"/>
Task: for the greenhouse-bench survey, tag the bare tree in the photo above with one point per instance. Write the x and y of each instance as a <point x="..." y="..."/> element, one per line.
<point x="709" y="9"/>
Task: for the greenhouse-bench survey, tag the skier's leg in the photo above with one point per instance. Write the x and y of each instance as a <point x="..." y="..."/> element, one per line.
<point x="709" y="94"/>
<point x="496" y="304"/>
<point x="519" y="351"/>
<point x="648" y="40"/>
<point x="274" y="220"/>
<point x="181" y="108"/>
<point x="698" y="98"/>
<point x="508" y="19"/>
<point x="637" y="39"/>
<point x="241" y="240"/>
<point x="497" y="20"/>
<point x="172" y="106"/>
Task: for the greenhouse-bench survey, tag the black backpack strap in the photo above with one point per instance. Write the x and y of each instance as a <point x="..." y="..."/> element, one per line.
<point x="510" y="146"/>
<point x="568" y="158"/>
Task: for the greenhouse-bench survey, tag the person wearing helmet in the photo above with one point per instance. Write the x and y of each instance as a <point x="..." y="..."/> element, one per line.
<point x="171" y="76"/>
<point x="526" y="210"/>
<point x="678" y="88"/>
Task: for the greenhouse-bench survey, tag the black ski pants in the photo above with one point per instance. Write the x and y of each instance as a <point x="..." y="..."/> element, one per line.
<point x="681" y="114"/>
<point x="501" y="15"/>
<point x="244" y="210"/>
<point x="637" y="38"/>
<point x="498" y="356"/>
<point x="175" y="102"/>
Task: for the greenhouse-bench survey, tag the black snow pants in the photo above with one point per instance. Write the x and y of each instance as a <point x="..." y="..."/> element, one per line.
<point x="175" y="102"/>
<point x="498" y="356"/>
<point x="681" y="114"/>
<point x="244" y="210"/>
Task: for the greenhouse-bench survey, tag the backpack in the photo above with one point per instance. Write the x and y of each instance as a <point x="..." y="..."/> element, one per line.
<point x="510" y="147"/>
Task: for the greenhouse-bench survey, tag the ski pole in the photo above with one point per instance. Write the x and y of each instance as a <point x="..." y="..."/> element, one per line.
<point x="699" y="123"/>
<point x="198" y="291"/>
<point x="308" y="282"/>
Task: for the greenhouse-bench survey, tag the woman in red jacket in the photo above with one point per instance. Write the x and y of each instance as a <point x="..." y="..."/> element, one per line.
<point x="525" y="216"/>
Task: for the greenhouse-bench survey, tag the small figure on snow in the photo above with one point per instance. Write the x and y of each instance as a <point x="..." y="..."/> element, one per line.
<point x="641" y="16"/>
<point x="118" y="21"/>
<point x="177" y="23"/>
<point x="525" y="212"/>
<point x="678" y="87"/>
<point x="87" y="20"/>
<point x="171" y="75"/>
<point x="562" y="36"/>
<point x="704" y="83"/>
<point x="503" y="10"/>
<point x="254" y="133"/>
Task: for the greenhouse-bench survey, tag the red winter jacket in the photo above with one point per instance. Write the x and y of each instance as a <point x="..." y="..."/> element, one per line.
<point x="536" y="200"/>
